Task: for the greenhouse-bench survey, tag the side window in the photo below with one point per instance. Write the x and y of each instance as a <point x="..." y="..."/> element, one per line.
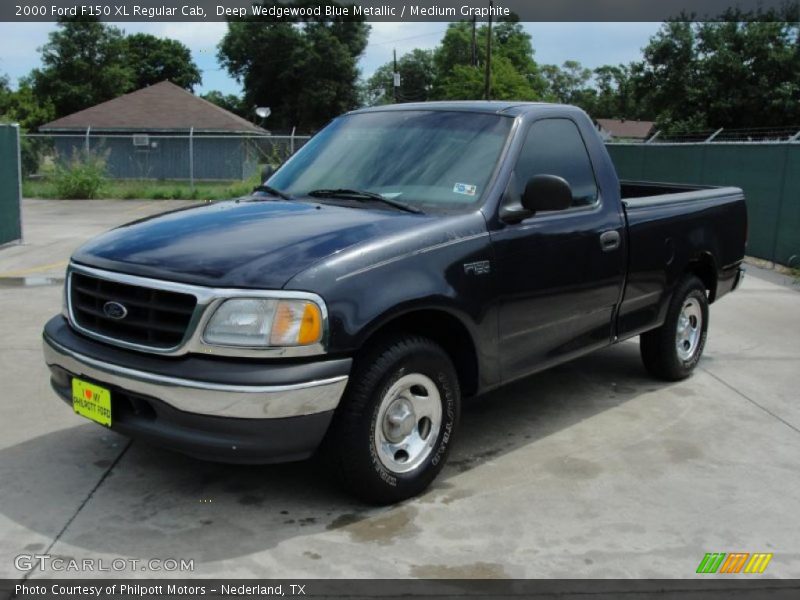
<point x="555" y="147"/>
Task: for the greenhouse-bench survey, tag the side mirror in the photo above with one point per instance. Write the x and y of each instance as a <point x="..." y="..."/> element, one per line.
<point x="546" y="192"/>
<point x="267" y="172"/>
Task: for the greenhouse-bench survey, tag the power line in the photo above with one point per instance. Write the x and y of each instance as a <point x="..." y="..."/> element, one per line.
<point x="405" y="39"/>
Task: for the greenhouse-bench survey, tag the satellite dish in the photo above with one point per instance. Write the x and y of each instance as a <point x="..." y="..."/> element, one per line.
<point x="263" y="111"/>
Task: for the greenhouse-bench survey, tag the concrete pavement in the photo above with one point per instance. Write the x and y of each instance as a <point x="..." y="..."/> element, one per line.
<point x="52" y="229"/>
<point x="588" y="470"/>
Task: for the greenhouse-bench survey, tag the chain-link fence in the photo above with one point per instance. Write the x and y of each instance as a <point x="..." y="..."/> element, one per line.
<point x="158" y="156"/>
<point x="756" y="135"/>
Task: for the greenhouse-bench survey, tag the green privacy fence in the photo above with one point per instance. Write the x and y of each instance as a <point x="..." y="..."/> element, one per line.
<point x="10" y="224"/>
<point x="769" y="174"/>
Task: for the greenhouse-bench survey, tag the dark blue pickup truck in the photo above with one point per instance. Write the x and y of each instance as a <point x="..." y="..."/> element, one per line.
<point x="406" y="257"/>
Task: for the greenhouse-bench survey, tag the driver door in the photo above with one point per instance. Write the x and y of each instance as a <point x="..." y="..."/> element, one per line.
<point x="559" y="285"/>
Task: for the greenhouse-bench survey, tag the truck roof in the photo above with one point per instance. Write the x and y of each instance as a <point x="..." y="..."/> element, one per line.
<point x="479" y="106"/>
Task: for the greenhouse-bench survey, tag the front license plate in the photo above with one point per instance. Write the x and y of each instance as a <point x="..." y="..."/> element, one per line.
<point x="91" y="401"/>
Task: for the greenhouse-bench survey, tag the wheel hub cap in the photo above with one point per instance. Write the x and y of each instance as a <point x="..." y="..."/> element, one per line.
<point x="400" y="420"/>
<point x="690" y="327"/>
<point x="408" y="423"/>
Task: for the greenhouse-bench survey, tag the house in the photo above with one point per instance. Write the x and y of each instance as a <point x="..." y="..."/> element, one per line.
<point x="161" y="132"/>
<point x="624" y="130"/>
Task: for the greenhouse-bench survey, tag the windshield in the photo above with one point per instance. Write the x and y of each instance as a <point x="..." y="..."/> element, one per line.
<point x="433" y="160"/>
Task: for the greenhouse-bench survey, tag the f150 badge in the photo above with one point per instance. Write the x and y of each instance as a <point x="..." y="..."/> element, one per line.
<point x="481" y="267"/>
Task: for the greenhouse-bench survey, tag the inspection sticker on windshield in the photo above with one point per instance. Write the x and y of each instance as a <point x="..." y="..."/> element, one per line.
<point x="465" y="188"/>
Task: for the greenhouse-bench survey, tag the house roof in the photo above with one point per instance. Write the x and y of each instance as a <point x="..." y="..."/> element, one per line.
<point x="160" y="107"/>
<point x="622" y="128"/>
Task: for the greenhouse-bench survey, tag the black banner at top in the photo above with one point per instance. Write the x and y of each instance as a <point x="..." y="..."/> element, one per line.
<point x="397" y="10"/>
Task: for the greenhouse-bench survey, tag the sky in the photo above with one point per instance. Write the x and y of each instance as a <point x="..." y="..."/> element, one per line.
<point x="592" y="44"/>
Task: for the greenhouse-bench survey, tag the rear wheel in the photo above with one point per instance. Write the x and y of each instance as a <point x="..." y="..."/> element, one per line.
<point x="672" y="351"/>
<point x="393" y="430"/>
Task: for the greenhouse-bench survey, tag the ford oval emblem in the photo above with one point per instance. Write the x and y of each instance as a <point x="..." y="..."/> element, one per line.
<point x="115" y="310"/>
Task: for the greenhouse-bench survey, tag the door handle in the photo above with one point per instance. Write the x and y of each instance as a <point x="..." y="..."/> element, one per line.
<point x="609" y="240"/>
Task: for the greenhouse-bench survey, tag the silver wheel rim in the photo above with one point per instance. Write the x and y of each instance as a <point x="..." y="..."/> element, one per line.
<point x="690" y="327"/>
<point x="408" y="423"/>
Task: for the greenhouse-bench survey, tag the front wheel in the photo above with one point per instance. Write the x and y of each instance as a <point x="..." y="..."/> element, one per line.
<point x="672" y="351"/>
<point x="392" y="432"/>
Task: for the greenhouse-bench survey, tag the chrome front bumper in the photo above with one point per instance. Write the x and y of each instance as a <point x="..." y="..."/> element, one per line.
<point x="204" y="397"/>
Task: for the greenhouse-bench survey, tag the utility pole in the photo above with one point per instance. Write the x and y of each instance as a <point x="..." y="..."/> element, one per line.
<point x="487" y="82"/>
<point x="395" y="78"/>
<point x="474" y="40"/>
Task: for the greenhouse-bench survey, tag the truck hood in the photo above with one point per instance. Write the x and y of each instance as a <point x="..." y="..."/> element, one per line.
<point x="247" y="243"/>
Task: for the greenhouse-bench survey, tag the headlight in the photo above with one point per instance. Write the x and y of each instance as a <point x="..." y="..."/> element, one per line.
<point x="265" y="322"/>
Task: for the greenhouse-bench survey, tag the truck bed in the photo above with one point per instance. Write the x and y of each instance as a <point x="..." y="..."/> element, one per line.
<point x="670" y="225"/>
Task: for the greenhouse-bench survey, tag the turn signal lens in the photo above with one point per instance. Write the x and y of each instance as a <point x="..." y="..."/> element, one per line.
<point x="311" y="327"/>
<point x="296" y="323"/>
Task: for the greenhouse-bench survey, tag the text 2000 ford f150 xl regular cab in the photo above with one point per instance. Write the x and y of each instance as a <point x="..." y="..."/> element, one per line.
<point x="404" y="258"/>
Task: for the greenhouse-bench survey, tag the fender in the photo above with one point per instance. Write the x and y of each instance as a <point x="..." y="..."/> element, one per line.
<point x="450" y="271"/>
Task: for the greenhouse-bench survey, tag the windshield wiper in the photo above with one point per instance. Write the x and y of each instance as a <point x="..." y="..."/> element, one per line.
<point x="362" y="196"/>
<point x="272" y="192"/>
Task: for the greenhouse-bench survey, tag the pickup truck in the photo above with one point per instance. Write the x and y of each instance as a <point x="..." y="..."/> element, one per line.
<point x="406" y="257"/>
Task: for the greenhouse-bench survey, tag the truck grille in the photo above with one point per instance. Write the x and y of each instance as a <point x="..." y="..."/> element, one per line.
<point x="155" y="318"/>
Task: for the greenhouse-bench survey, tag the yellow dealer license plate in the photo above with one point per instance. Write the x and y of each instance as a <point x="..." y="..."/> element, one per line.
<point x="91" y="401"/>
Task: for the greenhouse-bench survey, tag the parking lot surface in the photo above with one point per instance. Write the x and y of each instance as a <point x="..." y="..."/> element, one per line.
<point x="591" y="469"/>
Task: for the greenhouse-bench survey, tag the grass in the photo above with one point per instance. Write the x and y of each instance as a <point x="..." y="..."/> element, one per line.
<point x="137" y="189"/>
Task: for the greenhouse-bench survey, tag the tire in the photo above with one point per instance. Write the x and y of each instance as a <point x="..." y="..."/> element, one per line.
<point x="672" y="351"/>
<point x="403" y="390"/>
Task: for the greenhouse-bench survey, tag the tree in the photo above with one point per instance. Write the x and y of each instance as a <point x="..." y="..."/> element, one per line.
<point x="305" y="72"/>
<point x="450" y="73"/>
<point x="514" y="43"/>
<point x="512" y="58"/>
<point x="417" y="76"/>
<point x="83" y="64"/>
<point x="737" y="73"/>
<point x="665" y="81"/>
<point x="614" y="99"/>
<point x="230" y="102"/>
<point x="153" y="59"/>
<point x="456" y="47"/>
<point x="21" y="106"/>
<point x="752" y="73"/>
<point x="568" y="83"/>
<point x="466" y="82"/>
<point x="5" y="97"/>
